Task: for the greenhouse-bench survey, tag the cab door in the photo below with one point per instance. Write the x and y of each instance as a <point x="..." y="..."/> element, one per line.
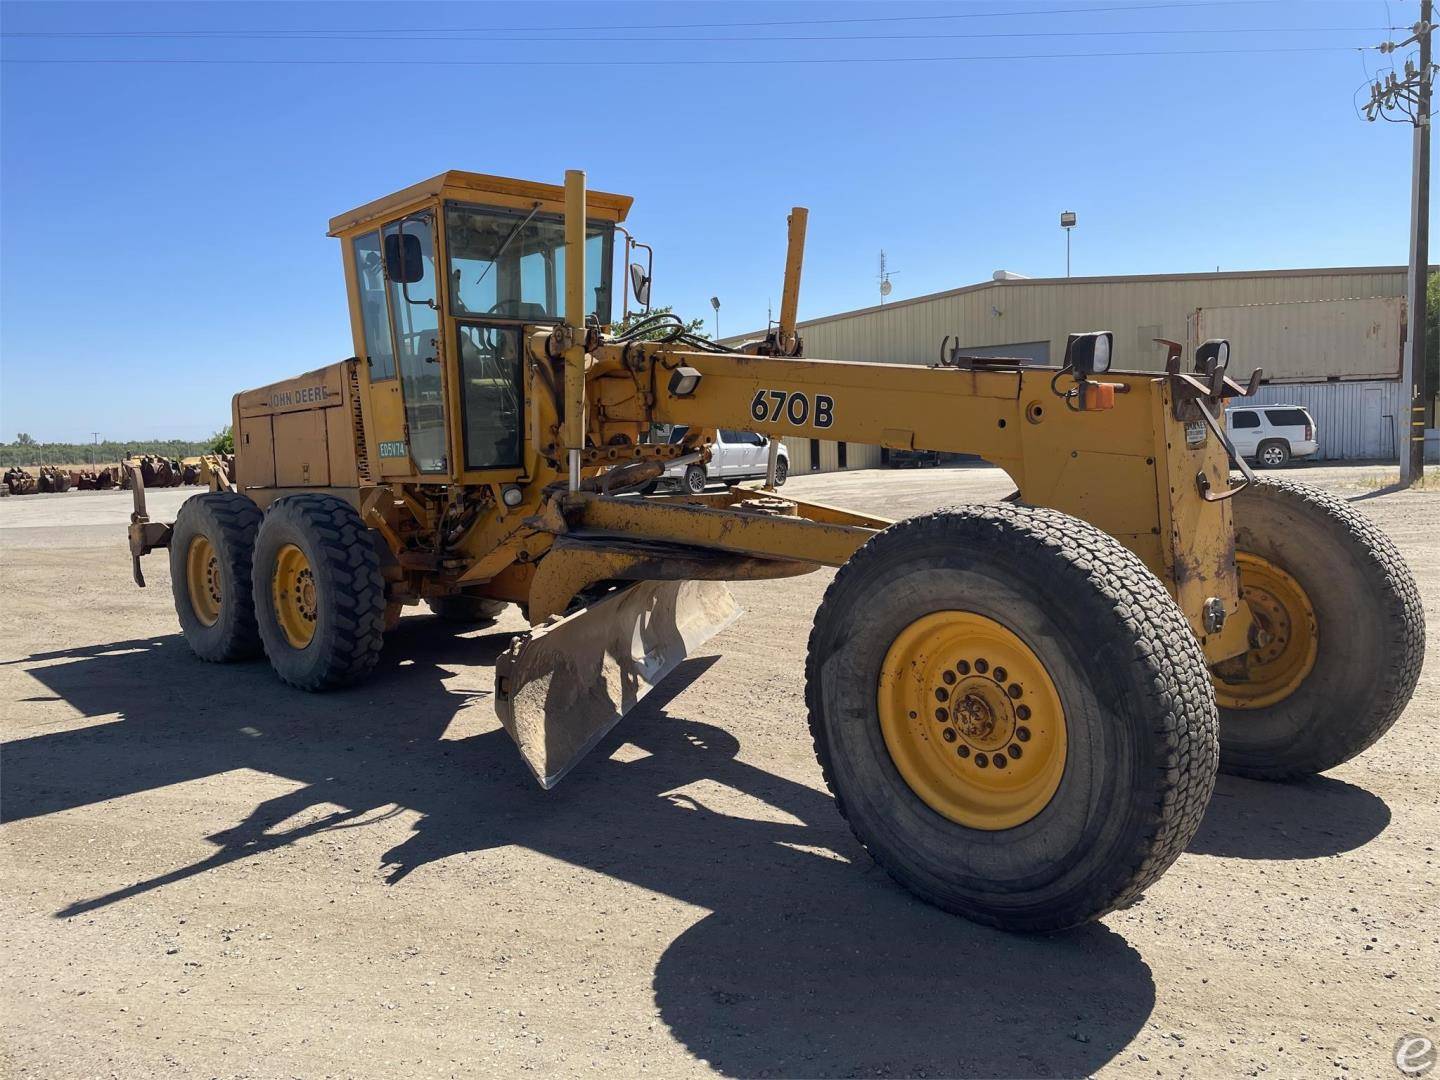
<point x="409" y="246"/>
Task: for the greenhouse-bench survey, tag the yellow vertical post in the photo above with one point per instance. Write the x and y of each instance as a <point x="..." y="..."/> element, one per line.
<point x="789" y="305"/>
<point x="575" y="320"/>
<point x="790" y="298"/>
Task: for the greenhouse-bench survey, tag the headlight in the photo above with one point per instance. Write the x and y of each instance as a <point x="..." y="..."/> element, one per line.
<point x="1089" y="353"/>
<point x="1212" y="356"/>
<point x="683" y="381"/>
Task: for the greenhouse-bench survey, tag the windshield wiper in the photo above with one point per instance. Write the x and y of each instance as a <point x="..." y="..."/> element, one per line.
<point x="513" y="233"/>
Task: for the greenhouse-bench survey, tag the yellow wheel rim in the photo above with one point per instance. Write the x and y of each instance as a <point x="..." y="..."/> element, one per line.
<point x="293" y="590"/>
<point x="202" y="580"/>
<point x="1284" y="640"/>
<point x="972" y="720"/>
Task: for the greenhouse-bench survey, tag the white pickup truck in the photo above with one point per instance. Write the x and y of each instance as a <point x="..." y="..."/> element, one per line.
<point x="735" y="455"/>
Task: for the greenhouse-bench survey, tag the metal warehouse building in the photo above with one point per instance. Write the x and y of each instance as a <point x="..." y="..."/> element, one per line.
<point x="1328" y="339"/>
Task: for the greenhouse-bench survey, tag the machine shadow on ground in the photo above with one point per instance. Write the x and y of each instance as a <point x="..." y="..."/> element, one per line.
<point x="811" y="963"/>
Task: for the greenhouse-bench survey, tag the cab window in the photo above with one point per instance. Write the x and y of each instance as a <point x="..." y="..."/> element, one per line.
<point x="492" y="387"/>
<point x="370" y="282"/>
<point x="511" y="264"/>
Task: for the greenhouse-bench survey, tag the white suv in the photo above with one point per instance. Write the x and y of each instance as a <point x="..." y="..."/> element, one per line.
<point x="735" y="455"/>
<point x="1272" y="434"/>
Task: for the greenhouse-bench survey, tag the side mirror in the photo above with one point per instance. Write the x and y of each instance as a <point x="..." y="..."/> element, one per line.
<point x="1089" y="353"/>
<point x="1212" y="358"/>
<point x="640" y="284"/>
<point x="404" y="262"/>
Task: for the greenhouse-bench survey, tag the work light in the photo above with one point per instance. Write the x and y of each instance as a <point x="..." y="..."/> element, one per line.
<point x="1212" y="356"/>
<point x="683" y="381"/>
<point x="1089" y="353"/>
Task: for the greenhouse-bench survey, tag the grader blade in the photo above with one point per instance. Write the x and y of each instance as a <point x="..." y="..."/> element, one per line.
<point x="562" y="687"/>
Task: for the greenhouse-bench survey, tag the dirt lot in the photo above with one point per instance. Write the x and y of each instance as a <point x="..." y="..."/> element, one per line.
<point x="207" y="874"/>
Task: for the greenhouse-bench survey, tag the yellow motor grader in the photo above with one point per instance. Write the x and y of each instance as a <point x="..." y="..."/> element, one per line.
<point x="1020" y="707"/>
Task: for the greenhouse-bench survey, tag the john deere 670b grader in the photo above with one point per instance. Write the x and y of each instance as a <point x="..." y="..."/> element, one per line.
<point x="1020" y="707"/>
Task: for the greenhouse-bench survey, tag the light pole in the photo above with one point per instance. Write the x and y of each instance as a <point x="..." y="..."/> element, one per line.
<point x="715" y="303"/>
<point x="1067" y="222"/>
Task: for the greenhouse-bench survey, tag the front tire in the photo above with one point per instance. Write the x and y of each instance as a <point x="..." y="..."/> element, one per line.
<point x="319" y="597"/>
<point x="1343" y="634"/>
<point x="1117" y="758"/>
<point x="695" y="480"/>
<point x="211" y="547"/>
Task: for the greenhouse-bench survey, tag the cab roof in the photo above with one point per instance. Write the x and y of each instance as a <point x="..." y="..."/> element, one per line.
<point x="481" y="188"/>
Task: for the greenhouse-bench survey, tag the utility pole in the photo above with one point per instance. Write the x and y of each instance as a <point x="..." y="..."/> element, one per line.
<point x="93" y="445"/>
<point x="1409" y="96"/>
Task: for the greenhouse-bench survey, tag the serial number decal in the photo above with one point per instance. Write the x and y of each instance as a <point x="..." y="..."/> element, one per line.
<point x="1194" y="434"/>
<point x="773" y="406"/>
<point x="393" y="449"/>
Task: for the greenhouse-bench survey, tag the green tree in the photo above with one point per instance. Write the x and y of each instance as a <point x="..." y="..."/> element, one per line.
<point x="24" y="440"/>
<point x="695" y="327"/>
<point x="223" y="441"/>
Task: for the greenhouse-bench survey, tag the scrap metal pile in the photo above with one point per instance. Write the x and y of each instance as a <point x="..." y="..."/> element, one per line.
<point x="156" y="471"/>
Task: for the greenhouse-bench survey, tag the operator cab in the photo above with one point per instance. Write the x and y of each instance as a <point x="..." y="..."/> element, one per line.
<point x="443" y="279"/>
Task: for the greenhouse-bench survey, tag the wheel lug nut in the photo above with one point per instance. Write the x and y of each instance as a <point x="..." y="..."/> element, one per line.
<point x="982" y="665"/>
<point x="999" y="761"/>
<point x="963" y="750"/>
<point x="963" y="667"/>
<point x="948" y="677"/>
<point x="981" y="761"/>
<point x="1014" y="752"/>
<point x="1023" y="734"/>
<point x="942" y="715"/>
<point x="948" y="734"/>
<point x="1000" y="674"/>
<point x="1022" y="712"/>
<point x="1014" y="690"/>
<point x="941" y="694"/>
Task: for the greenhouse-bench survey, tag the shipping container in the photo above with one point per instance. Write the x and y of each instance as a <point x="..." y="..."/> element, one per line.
<point x="1309" y="340"/>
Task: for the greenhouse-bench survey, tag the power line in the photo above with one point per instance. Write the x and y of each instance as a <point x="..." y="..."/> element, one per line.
<point x="676" y="26"/>
<point x="692" y="62"/>
<point x="435" y="36"/>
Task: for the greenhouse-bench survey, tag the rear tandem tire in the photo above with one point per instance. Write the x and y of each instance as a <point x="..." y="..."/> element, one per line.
<point x="319" y="596"/>
<point x="1133" y="713"/>
<point x="1347" y="629"/>
<point x="211" y="547"/>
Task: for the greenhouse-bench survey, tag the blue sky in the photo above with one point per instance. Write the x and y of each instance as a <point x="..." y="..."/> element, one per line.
<point x="162" y="225"/>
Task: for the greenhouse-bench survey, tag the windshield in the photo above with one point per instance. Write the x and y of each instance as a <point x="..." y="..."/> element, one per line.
<point x="511" y="264"/>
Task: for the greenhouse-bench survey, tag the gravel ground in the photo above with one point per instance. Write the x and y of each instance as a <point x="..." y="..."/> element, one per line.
<point x="208" y="874"/>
